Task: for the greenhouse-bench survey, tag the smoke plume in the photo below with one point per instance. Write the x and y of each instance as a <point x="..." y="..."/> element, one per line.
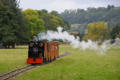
<point x="75" y="42"/>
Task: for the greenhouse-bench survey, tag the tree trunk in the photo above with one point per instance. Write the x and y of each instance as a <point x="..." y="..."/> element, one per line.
<point x="13" y="45"/>
<point x="5" y="46"/>
<point x="8" y="45"/>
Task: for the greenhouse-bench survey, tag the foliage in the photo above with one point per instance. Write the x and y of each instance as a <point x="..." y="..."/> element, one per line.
<point x="52" y="20"/>
<point x="111" y="15"/>
<point x="55" y="13"/>
<point x="34" y="23"/>
<point x="12" y="24"/>
<point x="95" y="30"/>
<point x="41" y="20"/>
<point x="6" y="34"/>
<point x="18" y="26"/>
<point x="115" y="32"/>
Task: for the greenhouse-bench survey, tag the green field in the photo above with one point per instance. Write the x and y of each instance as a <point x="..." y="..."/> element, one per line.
<point x="80" y="65"/>
<point x="11" y="59"/>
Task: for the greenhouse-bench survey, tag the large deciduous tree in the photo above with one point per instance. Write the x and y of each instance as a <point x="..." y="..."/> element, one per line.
<point x="35" y="24"/>
<point x="13" y="28"/>
<point x="95" y="30"/>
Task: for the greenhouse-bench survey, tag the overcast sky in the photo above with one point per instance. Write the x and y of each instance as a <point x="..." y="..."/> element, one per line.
<point x="61" y="5"/>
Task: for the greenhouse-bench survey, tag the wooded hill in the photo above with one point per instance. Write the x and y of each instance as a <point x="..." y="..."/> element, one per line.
<point x="80" y="18"/>
<point x="111" y="15"/>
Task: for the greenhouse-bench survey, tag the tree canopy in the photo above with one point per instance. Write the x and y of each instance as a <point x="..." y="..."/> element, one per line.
<point x="34" y="23"/>
<point x="41" y="20"/>
<point x="95" y="30"/>
<point x="13" y="28"/>
<point x="53" y="20"/>
<point x="115" y="32"/>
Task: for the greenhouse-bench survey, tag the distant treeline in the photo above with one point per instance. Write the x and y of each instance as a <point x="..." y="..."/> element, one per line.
<point x="94" y="23"/>
<point x="110" y="14"/>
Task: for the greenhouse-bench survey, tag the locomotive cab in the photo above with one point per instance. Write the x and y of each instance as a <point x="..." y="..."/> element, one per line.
<point x="35" y="52"/>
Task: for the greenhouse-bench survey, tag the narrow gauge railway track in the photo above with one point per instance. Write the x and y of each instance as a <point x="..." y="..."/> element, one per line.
<point x="12" y="74"/>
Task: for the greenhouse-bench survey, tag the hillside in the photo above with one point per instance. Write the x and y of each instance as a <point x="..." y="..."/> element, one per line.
<point x="80" y="18"/>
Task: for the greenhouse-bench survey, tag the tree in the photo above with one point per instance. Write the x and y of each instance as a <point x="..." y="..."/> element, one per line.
<point x="13" y="27"/>
<point x="35" y="24"/>
<point x="110" y="7"/>
<point x="95" y="30"/>
<point x="55" y="13"/>
<point x="115" y="32"/>
<point x="52" y="20"/>
<point x="6" y="34"/>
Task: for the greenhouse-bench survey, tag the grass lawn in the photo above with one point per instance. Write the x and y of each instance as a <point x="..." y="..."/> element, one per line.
<point x="11" y="59"/>
<point x="80" y="65"/>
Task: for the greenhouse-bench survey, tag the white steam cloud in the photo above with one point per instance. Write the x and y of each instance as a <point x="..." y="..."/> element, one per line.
<point x="75" y="42"/>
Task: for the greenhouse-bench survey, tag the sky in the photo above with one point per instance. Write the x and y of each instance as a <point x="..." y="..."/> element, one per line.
<point x="61" y="5"/>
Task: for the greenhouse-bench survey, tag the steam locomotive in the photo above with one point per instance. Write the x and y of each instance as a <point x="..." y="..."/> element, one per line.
<point x="42" y="51"/>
